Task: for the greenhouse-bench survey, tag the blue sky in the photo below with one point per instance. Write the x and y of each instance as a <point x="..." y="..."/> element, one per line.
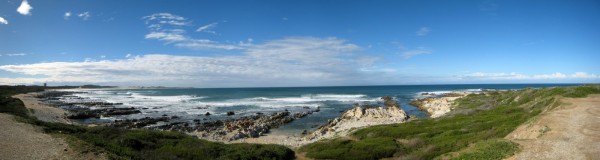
<point x="298" y="43"/>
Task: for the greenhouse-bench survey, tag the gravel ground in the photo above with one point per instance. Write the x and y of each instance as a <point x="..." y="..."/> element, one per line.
<point x="24" y="141"/>
<point x="571" y="131"/>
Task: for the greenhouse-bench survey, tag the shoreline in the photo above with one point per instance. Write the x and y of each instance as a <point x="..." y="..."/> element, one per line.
<point x="42" y="111"/>
<point x="48" y="113"/>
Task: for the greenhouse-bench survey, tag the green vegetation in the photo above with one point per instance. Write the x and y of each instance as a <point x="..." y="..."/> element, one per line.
<point x="148" y="144"/>
<point x="486" y="149"/>
<point x="479" y="120"/>
<point x="138" y="144"/>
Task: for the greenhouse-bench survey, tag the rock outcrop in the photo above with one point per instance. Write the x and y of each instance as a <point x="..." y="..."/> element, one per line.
<point x="438" y="106"/>
<point x="358" y="117"/>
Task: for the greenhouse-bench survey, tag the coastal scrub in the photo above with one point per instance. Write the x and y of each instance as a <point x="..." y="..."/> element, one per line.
<point x="477" y="120"/>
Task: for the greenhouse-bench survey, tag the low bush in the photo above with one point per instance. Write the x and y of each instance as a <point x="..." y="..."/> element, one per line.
<point x="490" y="117"/>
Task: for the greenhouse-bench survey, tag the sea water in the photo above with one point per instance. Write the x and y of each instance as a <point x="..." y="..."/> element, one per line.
<point x="193" y="103"/>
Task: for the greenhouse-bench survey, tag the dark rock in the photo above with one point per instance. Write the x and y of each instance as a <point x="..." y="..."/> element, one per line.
<point x="207" y="114"/>
<point x="230" y="113"/>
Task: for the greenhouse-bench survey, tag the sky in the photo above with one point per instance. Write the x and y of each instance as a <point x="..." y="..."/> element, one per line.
<point x="298" y="43"/>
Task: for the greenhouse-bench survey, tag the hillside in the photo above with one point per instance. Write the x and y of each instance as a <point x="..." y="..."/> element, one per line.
<point x="474" y="130"/>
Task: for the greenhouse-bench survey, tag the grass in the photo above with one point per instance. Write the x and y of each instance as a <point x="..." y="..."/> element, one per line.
<point x="482" y="119"/>
<point x="486" y="149"/>
<point x="138" y="144"/>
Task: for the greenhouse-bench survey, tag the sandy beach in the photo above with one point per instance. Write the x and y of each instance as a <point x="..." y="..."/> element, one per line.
<point x="41" y="111"/>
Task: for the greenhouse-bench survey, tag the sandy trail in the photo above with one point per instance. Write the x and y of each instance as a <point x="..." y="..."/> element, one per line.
<point x="24" y="141"/>
<point x="571" y="131"/>
<point x="41" y="111"/>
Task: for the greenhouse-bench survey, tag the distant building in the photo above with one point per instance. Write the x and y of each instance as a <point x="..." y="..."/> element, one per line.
<point x="45" y="85"/>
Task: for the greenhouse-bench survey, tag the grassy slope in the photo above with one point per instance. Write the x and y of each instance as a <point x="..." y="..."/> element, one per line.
<point x="476" y="132"/>
<point x="140" y="144"/>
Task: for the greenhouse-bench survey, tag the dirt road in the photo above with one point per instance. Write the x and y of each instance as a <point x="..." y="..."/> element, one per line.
<point x="24" y="141"/>
<point x="570" y="131"/>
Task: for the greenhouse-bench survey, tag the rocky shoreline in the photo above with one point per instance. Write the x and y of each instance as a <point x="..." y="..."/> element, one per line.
<point x="438" y="106"/>
<point x="253" y="128"/>
<point x="358" y="117"/>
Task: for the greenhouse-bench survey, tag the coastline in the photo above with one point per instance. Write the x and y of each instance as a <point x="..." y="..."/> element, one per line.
<point x="344" y="126"/>
<point x="47" y="113"/>
<point x="543" y="130"/>
<point x="42" y="111"/>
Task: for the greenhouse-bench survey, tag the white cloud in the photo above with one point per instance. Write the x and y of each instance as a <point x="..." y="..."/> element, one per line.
<point x="175" y="33"/>
<point x="159" y="19"/>
<point x="284" y="18"/>
<point x="15" y="54"/>
<point x="102" y="56"/>
<point x="584" y="75"/>
<point x="519" y="76"/>
<point x="202" y="44"/>
<point x="208" y="28"/>
<point x="418" y="51"/>
<point x="128" y="55"/>
<point x="24" y="8"/>
<point x="166" y="36"/>
<point x="3" y="21"/>
<point x="169" y="16"/>
<point x="67" y="15"/>
<point x="423" y="31"/>
<point x="292" y="61"/>
<point x="84" y="15"/>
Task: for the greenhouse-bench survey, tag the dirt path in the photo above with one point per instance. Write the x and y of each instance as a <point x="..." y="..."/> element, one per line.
<point x="24" y="141"/>
<point x="42" y="112"/>
<point x="571" y="131"/>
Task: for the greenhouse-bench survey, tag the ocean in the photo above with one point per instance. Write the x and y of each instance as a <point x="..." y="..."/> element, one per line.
<point x="193" y="103"/>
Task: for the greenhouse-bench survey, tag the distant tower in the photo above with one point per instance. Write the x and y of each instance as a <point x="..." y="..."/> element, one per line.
<point x="45" y="85"/>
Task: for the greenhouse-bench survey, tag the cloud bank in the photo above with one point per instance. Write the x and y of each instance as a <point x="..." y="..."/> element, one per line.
<point x="296" y="61"/>
<point x="519" y="76"/>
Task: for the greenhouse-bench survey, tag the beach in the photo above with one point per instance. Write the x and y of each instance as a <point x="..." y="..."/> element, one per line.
<point x="42" y="111"/>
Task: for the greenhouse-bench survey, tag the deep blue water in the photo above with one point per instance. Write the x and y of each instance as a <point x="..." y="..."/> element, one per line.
<point x="193" y="103"/>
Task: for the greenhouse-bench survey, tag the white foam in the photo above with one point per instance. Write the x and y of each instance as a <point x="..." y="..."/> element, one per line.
<point x="191" y="104"/>
<point x="300" y="101"/>
<point x="439" y="93"/>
